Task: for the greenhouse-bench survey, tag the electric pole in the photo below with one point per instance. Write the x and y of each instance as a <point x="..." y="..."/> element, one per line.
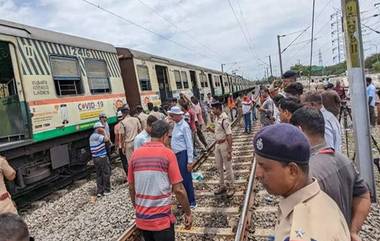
<point x="279" y="54"/>
<point x="270" y="65"/>
<point x="355" y="72"/>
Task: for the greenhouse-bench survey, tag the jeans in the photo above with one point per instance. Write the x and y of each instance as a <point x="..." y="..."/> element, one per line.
<point x="247" y="122"/>
<point x="186" y="175"/>
<point x="163" y="235"/>
<point x="103" y="174"/>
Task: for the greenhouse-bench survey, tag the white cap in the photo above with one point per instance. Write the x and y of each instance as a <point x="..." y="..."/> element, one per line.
<point x="98" y="125"/>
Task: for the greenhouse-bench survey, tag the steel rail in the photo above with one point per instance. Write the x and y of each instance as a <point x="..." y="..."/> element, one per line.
<point x="246" y="214"/>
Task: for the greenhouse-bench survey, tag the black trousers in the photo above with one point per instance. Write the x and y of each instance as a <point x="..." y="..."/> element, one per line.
<point x="164" y="235"/>
<point x="103" y="174"/>
<point x="200" y="135"/>
<point x="372" y="117"/>
<point x="124" y="161"/>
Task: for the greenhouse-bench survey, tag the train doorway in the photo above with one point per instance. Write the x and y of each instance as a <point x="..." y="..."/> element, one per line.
<point x="211" y="84"/>
<point x="163" y="83"/>
<point x="222" y="84"/>
<point x="11" y="115"/>
<point x="194" y="83"/>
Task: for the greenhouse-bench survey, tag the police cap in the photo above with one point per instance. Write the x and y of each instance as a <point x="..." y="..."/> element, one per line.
<point x="289" y="74"/>
<point x="216" y="103"/>
<point x="283" y="143"/>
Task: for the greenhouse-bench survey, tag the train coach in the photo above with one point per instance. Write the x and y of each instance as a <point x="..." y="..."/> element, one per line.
<point x="52" y="88"/>
<point x="151" y="78"/>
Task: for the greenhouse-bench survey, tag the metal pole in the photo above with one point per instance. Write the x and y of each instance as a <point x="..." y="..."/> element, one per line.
<point x="338" y="34"/>
<point x="270" y="65"/>
<point x="222" y="65"/>
<point x="355" y="71"/>
<point x="279" y="54"/>
<point x="312" y="41"/>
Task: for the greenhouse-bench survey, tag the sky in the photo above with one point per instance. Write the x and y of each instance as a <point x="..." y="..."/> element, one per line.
<point x="240" y="34"/>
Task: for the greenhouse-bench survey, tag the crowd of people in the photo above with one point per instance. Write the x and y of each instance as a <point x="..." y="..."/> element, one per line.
<point x="298" y="153"/>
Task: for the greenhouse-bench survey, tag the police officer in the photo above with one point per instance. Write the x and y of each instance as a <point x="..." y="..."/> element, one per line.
<point x="335" y="173"/>
<point x="306" y="212"/>
<point x="129" y="128"/>
<point x="6" y="204"/>
<point x="223" y="149"/>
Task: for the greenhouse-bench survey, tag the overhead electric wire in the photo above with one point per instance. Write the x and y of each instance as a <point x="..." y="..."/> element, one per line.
<point x="295" y="39"/>
<point x="178" y="28"/>
<point x="243" y="32"/>
<point x="147" y="29"/>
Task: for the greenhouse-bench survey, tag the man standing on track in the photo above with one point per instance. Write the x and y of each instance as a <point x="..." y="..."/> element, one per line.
<point x="141" y="116"/>
<point x="6" y="204"/>
<point x="144" y="136"/>
<point x="371" y="93"/>
<point x="98" y="141"/>
<point x="129" y="128"/>
<point x="335" y="173"/>
<point x="153" y="174"/>
<point x="223" y="149"/>
<point x="119" y="142"/>
<point x="182" y="145"/>
<point x="306" y="212"/>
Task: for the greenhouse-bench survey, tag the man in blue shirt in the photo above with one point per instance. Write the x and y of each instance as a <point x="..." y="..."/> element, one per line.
<point x="371" y="93"/>
<point x="98" y="141"/>
<point x="144" y="136"/>
<point x="182" y="145"/>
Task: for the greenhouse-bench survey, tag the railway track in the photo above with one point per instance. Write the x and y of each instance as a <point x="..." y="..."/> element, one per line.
<point x="218" y="218"/>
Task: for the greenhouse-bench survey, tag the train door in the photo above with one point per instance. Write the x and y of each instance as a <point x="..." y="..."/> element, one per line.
<point x="163" y="83"/>
<point x="13" y="117"/>
<point x="194" y="83"/>
<point x="211" y="84"/>
<point x="222" y="83"/>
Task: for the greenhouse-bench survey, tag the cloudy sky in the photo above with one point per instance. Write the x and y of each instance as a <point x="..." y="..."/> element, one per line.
<point x="238" y="33"/>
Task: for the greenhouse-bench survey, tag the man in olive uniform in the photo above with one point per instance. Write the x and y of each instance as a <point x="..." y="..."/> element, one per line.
<point x="6" y="204"/>
<point x="130" y="127"/>
<point x="223" y="149"/>
<point x="306" y="212"/>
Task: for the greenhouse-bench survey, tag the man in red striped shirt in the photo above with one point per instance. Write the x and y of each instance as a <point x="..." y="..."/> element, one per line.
<point x="152" y="175"/>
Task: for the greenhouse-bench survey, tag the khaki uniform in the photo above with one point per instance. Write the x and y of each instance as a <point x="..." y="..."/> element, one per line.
<point x="309" y="214"/>
<point x="143" y="117"/>
<point x="129" y="128"/>
<point x="6" y="204"/>
<point x="221" y="148"/>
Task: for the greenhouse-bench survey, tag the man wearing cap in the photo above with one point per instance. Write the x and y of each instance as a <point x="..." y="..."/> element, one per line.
<point x="6" y="171"/>
<point x="182" y="145"/>
<point x="98" y="141"/>
<point x="335" y="173"/>
<point x="306" y="212"/>
<point x="119" y="143"/>
<point x="130" y="127"/>
<point x="223" y="149"/>
<point x="103" y="120"/>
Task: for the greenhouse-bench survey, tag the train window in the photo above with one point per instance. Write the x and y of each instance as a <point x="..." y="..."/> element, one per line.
<point x="97" y="76"/>
<point x="143" y="73"/>
<point x="178" y="81"/>
<point x="66" y="75"/>
<point x="184" y="80"/>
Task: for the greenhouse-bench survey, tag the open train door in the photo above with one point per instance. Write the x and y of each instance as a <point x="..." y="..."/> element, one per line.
<point x="163" y="83"/>
<point x="13" y="117"/>
<point x="211" y="84"/>
<point x="194" y="83"/>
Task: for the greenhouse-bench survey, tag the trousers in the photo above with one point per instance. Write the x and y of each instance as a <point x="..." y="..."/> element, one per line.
<point x="221" y="159"/>
<point x="103" y="174"/>
<point x="186" y="176"/>
<point x="124" y="161"/>
<point x="163" y="235"/>
<point x="247" y="122"/>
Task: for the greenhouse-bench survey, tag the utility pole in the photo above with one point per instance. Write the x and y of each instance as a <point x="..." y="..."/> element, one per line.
<point x="355" y="71"/>
<point x="312" y="41"/>
<point x="279" y="54"/>
<point x="222" y="67"/>
<point x="270" y="65"/>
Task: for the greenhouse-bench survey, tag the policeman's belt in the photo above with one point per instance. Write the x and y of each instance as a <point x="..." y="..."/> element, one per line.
<point x="4" y="196"/>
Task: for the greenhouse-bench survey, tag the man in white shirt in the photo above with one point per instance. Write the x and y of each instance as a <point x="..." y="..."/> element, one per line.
<point x="371" y="94"/>
<point x="144" y="136"/>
